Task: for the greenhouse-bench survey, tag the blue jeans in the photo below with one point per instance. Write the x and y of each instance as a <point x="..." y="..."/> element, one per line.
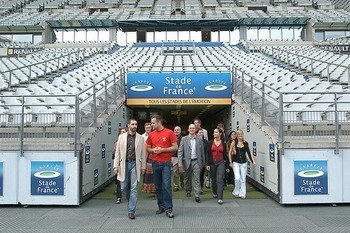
<point x="129" y="186"/>
<point x="162" y="181"/>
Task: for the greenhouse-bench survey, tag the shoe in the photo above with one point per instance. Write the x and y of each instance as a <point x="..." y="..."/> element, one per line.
<point x="119" y="200"/>
<point x="160" y="211"/>
<point x="201" y="191"/>
<point x="220" y="202"/>
<point x="169" y="213"/>
<point x="188" y="195"/>
<point x="176" y="189"/>
<point x="131" y="215"/>
<point x="154" y="197"/>
<point x="243" y="197"/>
<point x="197" y="199"/>
<point x="215" y="196"/>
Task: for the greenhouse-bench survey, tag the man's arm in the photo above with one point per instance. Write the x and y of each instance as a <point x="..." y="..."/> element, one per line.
<point x="117" y="157"/>
<point x="180" y="153"/>
<point x="159" y="150"/>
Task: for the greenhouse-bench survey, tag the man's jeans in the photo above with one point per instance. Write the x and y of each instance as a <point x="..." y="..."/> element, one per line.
<point x="162" y="181"/>
<point x="129" y="186"/>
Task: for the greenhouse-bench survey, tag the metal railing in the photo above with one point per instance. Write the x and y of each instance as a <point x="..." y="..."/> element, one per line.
<point x="291" y="117"/>
<point x="167" y="68"/>
<point x="277" y="53"/>
<point x="32" y="119"/>
<point x="28" y="70"/>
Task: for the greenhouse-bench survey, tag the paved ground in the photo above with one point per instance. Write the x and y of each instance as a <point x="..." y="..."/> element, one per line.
<point x="243" y="216"/>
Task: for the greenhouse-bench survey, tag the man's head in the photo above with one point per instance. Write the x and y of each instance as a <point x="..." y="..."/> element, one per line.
<point x="123" y="130"/>
<point x="177" y="131"/>
<point x="157" y="122"/>
<point x="200" y="132"/>
<point x="148" y="128"/>
<point x="197" y="123"/>
<point x="221" y="126"/>
<point x="192" y="129"/>
<point x="132" y="126"/>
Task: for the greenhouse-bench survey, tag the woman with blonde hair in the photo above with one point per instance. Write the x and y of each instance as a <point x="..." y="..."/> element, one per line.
<point x="240" y="149"/>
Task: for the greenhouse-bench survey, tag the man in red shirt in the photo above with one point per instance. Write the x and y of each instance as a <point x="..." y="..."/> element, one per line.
<point x="162" y="142"/>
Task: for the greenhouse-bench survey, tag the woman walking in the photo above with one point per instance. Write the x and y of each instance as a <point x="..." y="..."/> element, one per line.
<point x="240" y="150"/>
<point x="216" y="164"/>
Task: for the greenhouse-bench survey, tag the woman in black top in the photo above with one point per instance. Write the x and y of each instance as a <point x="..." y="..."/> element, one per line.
<point x="239" y="150"/>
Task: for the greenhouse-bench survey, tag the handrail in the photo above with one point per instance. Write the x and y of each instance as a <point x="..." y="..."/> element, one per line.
<point x="76" y="102"/>
<point x="302" y="56"/>
<point x="48" y="60"/>
<point x="312" y="60"/>
<point x="246" y="84"/>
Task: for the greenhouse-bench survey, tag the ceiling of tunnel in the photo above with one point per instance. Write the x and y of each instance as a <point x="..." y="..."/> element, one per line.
<point x="178" y="115"/>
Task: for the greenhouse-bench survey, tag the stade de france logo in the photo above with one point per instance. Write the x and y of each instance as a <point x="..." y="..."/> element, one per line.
<point x="310" y="177"/>
<point x="311" y="171"/>
<point x="47" y="172"/>
<point x="141" y="85"/>
<point x="216" y="85"/>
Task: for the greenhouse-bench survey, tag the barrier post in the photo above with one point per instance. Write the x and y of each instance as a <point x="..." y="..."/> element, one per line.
<point x="22" y="128"/>
<point x="77" y="126"/>
<point x="328" y="74"/>
<point x="336" y="123"/>
<point x="242" y="88"/>
<point x="251" y="94"/>
<point x="106" y="96"/>
<point x="281" y="124"/>
<point x="94" y="106"/>
<point x="263" y="105"/>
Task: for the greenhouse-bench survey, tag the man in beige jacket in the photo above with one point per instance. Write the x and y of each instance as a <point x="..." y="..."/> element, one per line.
<point x="130" y="163"/>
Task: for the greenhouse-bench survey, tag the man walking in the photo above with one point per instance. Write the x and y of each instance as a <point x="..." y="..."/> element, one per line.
<point x="191" y="155"/>
<point x="130" y="163"/>
<point x="162" y="142"/>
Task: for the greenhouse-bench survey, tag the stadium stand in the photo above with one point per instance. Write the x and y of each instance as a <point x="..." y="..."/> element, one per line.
<point x="57" y="86"/>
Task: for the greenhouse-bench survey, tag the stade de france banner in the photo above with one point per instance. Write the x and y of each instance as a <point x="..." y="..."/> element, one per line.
<point x="47" y="178"/>
<point x="310" y="177"/>
<point x="179" y="88"/>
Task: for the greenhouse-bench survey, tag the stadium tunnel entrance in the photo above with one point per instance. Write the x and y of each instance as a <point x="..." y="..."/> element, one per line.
<point x="183" y="115"/>
<point x="180" y="96"/>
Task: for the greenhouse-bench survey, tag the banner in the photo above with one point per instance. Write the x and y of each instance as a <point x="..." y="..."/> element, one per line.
<point x="179" y="88"/>
<point x="1" y="178"/>
<point x="47" y="178"/>
<point x="310" y="177"/>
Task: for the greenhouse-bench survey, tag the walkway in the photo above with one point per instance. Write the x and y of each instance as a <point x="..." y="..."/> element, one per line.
<point x="243" y="216"/>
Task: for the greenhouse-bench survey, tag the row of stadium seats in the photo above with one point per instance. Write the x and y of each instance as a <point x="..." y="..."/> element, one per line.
<point x="21" y="70"/>
<point x="32" y="18"/>
<point x="312" y="59"/>
<point x="345" y="4"/>
<point x="52" y="106"/>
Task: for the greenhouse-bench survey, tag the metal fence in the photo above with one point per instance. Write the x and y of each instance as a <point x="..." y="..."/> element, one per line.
<point x="290" y="119"/>
<point x="63" y="119"/>
<point x="311" y="65"/>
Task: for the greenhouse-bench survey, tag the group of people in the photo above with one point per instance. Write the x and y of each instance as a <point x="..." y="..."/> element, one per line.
<point x="160" y="152"/>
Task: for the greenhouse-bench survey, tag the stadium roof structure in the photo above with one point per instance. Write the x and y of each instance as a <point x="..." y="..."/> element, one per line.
<point x="156" y="23"/>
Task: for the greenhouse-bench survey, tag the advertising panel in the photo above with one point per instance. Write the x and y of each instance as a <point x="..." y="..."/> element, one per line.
<point x="1" y="177"/>
<point x="47" y="178"/>
<point x="179" y="88"/>
<point x="310" y="177"/>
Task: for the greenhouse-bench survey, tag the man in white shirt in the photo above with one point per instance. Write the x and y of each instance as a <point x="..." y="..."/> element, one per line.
<point x="191" y="159"/>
